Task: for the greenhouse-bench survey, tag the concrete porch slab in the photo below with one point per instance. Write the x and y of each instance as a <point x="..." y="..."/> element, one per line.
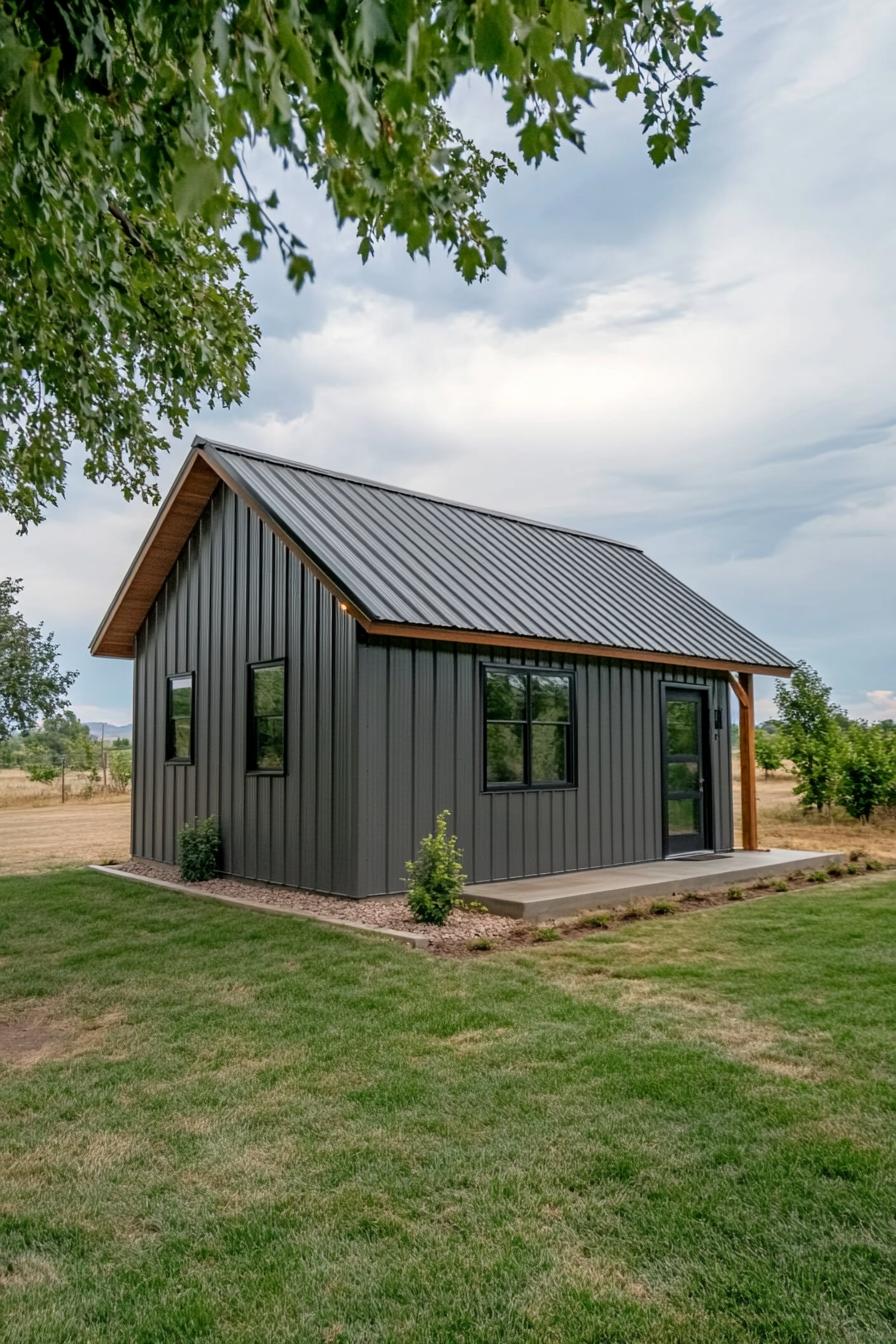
<point x="541" y="898"/>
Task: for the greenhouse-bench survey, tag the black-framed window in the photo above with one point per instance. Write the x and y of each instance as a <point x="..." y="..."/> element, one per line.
<point x="266" y="752"/>
<point x="179" y="719"/>
<point x="528" y="728"/>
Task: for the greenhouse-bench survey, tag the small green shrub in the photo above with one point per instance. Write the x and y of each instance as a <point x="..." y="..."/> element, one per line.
<point x="818" y="876"/>
<point x="855" y="854"/>
<point x="633" y="912"/>
<point x="593" y="921"/>
<point x="763" y="884"/>
<point x="546" y="933"/>
<point x="436" y="877"/>
<point x="480" y="945"/>
<point x="198" y="848"/>
<point x="836" y="870"/>
<point x="472" y="907"/>
<point x="852" y="869"/>
<point x="735" y="893"/>
<point x="874" y="865"/>
<point x="780" y="885"/>
<point x="662" y="907"/>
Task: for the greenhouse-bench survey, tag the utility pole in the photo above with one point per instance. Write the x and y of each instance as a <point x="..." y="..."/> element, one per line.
<point x="63" y="779"/>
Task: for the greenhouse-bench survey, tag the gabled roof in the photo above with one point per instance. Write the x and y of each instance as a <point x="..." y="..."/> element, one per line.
<point x="406" y="564"/>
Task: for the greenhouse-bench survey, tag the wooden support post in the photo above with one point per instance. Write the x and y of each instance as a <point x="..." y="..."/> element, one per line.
<point x="743" y="689"/>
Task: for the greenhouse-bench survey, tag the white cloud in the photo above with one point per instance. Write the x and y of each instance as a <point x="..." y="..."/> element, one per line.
<point x="876" y="705"/>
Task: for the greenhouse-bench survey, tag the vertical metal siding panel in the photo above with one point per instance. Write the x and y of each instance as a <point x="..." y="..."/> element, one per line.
<point x="229" y="714"/>
<point x="466" y="751"/>
<point x="543" y="830"/>
<point x="308" y="836"/>
<point x="638" y="765"/>
<point x="614" y="765"/>
<point x="295" y="681"/>
<point x="241" y="604"/>
<point x="444" y="764"/>
<point x="215" y="663"/>
<point x="377" y="732"/>
<point x="598" y="801"/>
<point x="500" y="866"/>
<point x="252" y="785"/>
<point x="323" y="801"/>
<point x="345" y="759"/>
<point x="653" y="801"/>
<point x="626" y="746"/>
<point x="401" y="820"/>
<point x="482" y="826"/>
<point x="413" y="759"/>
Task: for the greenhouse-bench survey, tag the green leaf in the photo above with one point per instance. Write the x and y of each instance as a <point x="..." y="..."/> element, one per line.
<point x="626" y="84"/>
<point x="198" y="181"/>
<point x="569" y="19"/>
<point x="492" y="33"/>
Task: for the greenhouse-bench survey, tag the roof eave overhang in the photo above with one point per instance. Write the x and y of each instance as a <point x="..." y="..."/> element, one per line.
<point x="494" y="639"/>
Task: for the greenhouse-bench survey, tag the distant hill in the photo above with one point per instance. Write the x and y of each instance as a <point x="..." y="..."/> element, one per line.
<point x="112" y="730"/>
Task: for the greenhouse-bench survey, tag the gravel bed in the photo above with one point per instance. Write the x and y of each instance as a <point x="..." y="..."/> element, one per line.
<point x="388" y="912"/>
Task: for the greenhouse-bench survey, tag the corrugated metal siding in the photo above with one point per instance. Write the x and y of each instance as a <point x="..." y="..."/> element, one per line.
<point x="420" y="750"/>
<point x="238" y="596"/>
<point x="413" y="559"/>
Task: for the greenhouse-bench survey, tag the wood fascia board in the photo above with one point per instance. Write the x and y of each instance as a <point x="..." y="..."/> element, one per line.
<point x="492" y="639"/>
<point x="167" y="535"/>
<point x="166" y="539"/>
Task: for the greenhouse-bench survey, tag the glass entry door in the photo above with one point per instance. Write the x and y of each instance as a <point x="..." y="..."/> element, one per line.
<point x="685" y="770"/>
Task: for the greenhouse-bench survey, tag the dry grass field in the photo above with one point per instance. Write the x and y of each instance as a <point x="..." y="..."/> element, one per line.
<point x="784" y="825"/>
<point x="17" y="790"/>
<point x="34" y="838"/>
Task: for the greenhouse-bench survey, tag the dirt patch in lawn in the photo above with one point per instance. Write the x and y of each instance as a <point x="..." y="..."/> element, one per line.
<point x="28" y="1270"/>
<point x="42" y="1033"/>
<point x="707" y="1020"/>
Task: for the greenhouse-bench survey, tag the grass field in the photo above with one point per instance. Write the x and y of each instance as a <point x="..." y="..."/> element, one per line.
<point x="224" y="1127"/>
<point x="18" y="790"/>
<point x="36" y="838"/>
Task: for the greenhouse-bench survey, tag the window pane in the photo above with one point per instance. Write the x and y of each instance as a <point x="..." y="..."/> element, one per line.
<point x="682" y="775"/>
<point x="504" y="753"/>
<point x="182" y="739"/>
<point x="683" y="816"/>
<point x="269" y="744"/>
<point x="549" y="756"/>
<point x="181" y="697"/>
<point x="681" y="727"/>
<point x="550" y="698"/>
<point x="505" y="695"/>
<point x="267" y="690"/>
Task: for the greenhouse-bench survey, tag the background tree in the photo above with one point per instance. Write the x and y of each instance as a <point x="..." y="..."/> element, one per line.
<point x="127" y="199"/>
<point x="769" y="751"/>
<point x="810" y="724"/>
<point x="31" y="684"/>
<point x="63" y="736"/>
<point x="867" y="774"/>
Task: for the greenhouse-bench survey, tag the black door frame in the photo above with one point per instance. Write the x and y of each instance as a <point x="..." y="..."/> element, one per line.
<point x="702" y="693"/>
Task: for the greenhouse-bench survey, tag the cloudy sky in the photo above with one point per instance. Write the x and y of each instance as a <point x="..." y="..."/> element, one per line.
<point x="699" y="360"/>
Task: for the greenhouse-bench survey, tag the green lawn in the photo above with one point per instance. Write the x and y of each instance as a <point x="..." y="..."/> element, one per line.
<point x="229" y="1127"/>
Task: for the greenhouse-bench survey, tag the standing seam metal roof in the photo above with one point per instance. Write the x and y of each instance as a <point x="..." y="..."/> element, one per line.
<point x="414" y="559"/>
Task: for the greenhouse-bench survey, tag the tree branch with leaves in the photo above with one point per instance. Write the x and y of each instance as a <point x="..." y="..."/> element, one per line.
<point x="128" y="209"/>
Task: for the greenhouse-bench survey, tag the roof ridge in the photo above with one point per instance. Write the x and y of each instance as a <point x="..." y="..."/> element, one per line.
<point x="200" y="441"/>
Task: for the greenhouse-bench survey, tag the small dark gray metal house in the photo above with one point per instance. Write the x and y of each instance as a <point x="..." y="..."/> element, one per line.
<point x="324" y="663"/>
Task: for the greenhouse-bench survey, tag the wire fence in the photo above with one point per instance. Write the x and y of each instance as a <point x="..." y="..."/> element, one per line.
<point x="24" y="777"/>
